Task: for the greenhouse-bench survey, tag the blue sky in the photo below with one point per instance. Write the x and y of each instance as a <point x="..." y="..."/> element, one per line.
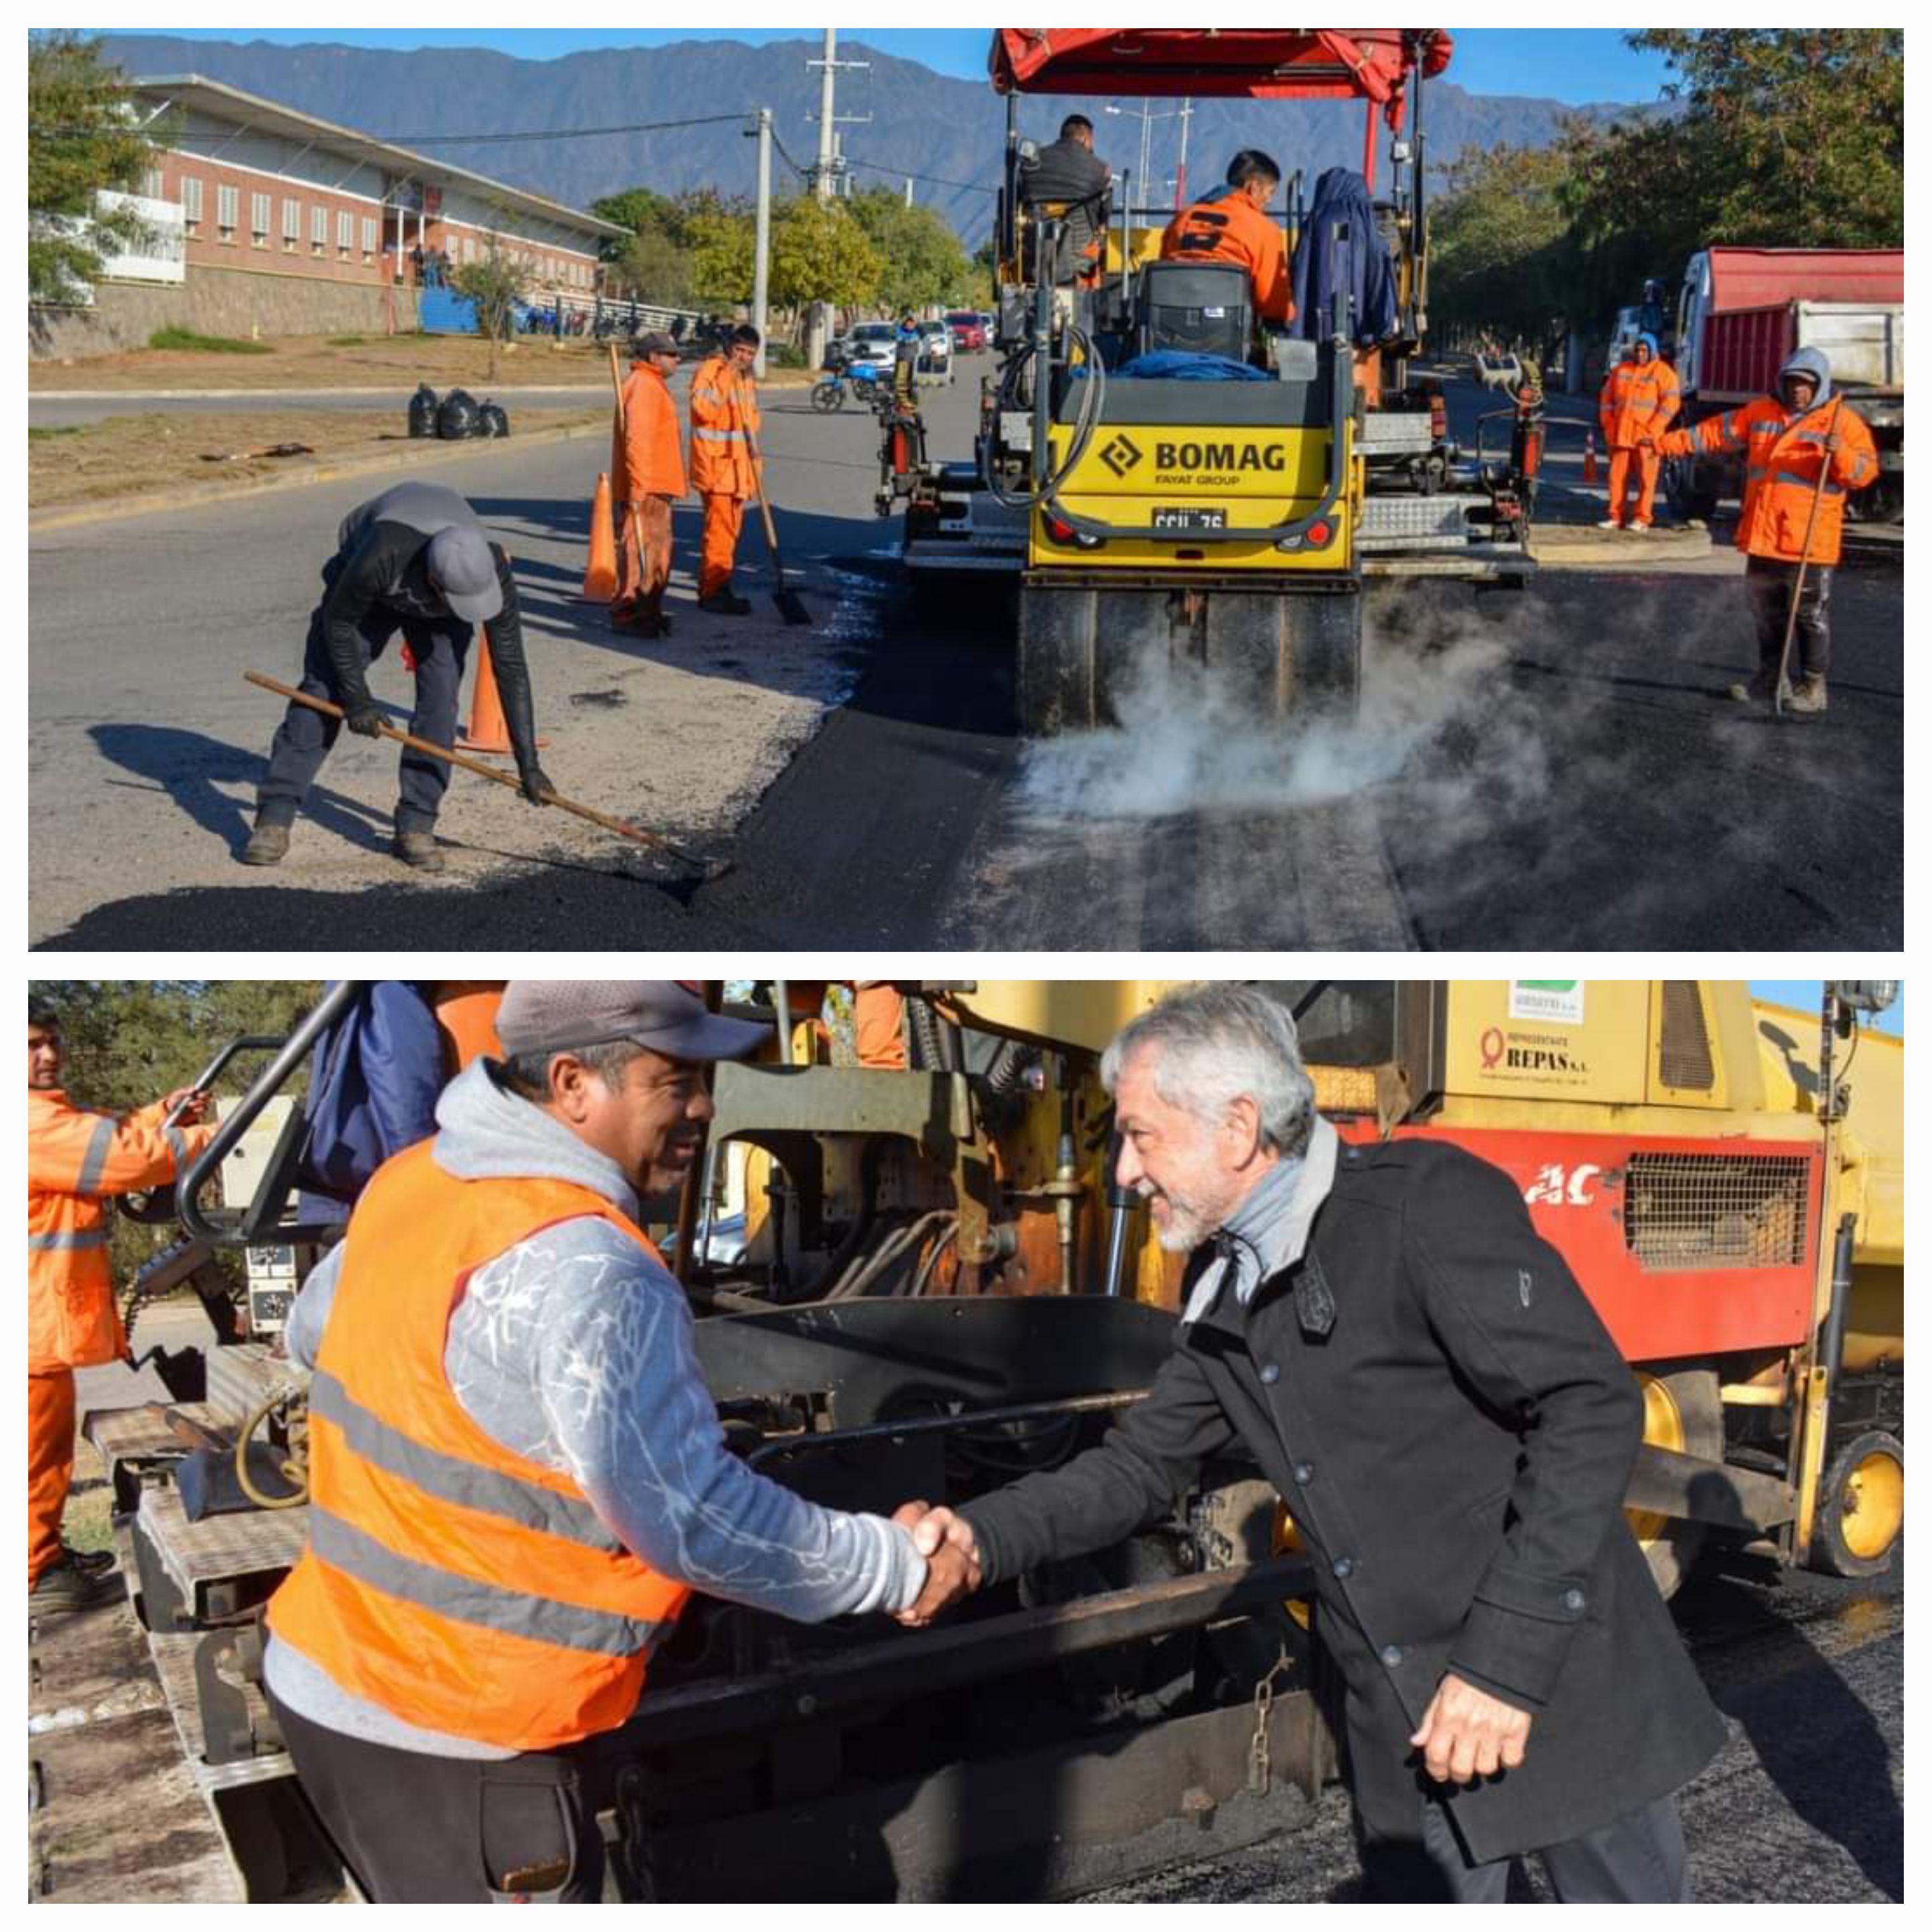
<point x="1804" y="994"/>
<point x="1571" y="64"/>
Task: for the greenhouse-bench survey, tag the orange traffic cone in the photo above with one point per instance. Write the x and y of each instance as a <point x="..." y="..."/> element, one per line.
<point x="1590" y="456"/>
<point x="487" y="730"/>
<point x="600" y="574"/>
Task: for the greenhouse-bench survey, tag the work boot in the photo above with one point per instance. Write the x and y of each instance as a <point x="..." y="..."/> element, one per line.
<point x="419" y="849"/>
<point x="1639" y="529"/>
<point x="1756" y="688"/>
<point x="1610" y="524"/>
<point x="89" y="1562"/>
<point x="726" y="603"/>
<point x="267" y="843"/>
<point x="63" y="1587"/>
<point x="1809" y="697"/>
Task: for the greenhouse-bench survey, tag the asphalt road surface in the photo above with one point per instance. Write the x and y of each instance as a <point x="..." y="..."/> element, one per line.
<point x="62" y="412"/>
<point x="1804" y="1806"/>
<point x="1556" y="767"/>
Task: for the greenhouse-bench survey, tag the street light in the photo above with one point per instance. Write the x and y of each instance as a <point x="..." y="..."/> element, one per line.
<point x="1184" y="113"/>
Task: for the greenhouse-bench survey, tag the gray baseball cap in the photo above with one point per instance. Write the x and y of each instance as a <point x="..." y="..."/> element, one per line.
<point x="652" y="342"/>
<point x="464" y="573"/>
<point x="666" y="1016"/>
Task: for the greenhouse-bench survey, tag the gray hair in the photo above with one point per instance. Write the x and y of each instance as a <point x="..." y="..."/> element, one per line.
<point x="527" y="1074"/>
<point x="1218" y="1042"/>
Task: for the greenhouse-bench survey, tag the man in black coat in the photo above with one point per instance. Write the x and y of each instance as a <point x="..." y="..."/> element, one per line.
<point x="1067" y="173"/>
<point x="1419" y="1376"/>
<point x="414" y="559"/>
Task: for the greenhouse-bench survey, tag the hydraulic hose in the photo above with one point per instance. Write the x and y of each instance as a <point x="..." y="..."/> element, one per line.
<point x="1090" y="414"/>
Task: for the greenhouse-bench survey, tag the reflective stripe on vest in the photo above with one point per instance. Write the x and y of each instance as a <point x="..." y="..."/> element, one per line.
<point x="542" y="1619"/>
<point x="67" y="1239"/>
<point x="95" y="1159"/>
<point x="718" y="435"/>
<point x="1805" y="483"/>
<point x="449" y="1476"/>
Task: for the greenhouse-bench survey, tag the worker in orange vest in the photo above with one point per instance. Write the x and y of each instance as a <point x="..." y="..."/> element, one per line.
<point x="724" y="419"/>
<point x="647" y="474"/>
<point x="1640" y="397"/>
<point x="878" y="1023"/>
<point x="518" y="1476"/>
<point x="76" y="1159"/>
<point x="1231" y="225"/>
<point x="1805" y="452"/>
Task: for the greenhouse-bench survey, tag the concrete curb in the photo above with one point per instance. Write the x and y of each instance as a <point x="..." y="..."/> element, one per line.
<point x="781" y="379"/>
<point x="67" y="515"/>
<point x="1586" y="547"/>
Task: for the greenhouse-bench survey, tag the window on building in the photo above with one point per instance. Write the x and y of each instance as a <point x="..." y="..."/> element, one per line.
<point x="150" y="183"/>
<point x="345" y="234"/>
<point x="260" y="208"/>
<point x="191" y="202"/>
<point x="227" y="211"/>
<point x="368" y="238"/>
<point x="318" y="231"/>
<point x="291" y="227"/>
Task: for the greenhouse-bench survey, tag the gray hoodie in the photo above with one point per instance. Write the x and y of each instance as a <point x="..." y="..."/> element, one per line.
<point x="1812" y="362"/>
<point x="574" y="1348"/>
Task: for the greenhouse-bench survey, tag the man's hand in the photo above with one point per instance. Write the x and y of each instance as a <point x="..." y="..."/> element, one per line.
<point x="951" y="1556"/>
<point x="361" y="714"/>
<point x="194" y="1102"/>
<point x="1466" y="1733"/>
<point x="537" y="787"/>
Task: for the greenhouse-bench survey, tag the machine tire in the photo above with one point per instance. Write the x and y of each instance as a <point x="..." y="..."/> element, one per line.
<point x="1682" y="1410"/>
<point x="1861" y="1508"/>
<point x="1688" y="502"/>
<point x="827" y="396"/>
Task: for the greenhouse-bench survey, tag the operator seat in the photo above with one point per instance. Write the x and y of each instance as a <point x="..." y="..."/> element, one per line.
<point x="1205" y="308"/>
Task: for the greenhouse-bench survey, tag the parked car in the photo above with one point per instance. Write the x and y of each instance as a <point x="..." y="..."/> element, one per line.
<point x="969" y="331"/>
<point x="1502" y="371"/>
<point x="935" y="349"/>
<point x="873" y="343"/>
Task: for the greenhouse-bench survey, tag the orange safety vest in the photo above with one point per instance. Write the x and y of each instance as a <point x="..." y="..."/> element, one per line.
<point x="76" y="1159"/>
<point x="1638" y="400"/>
<point x="454" y="1584"/>
<point x="724" y="417"/>
<point x="1783" y="456"/>
<point x="646" y="456"/>
<point x="1226" y="226"/>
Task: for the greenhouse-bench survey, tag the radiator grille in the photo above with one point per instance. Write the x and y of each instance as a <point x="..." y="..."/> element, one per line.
<point x="1684" y="1057"/>
<point x="1711" y="1210"/>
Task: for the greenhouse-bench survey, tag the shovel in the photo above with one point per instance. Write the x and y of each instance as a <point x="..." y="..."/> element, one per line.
<point x="712" y="868"/>
<point x="791" y="605"/>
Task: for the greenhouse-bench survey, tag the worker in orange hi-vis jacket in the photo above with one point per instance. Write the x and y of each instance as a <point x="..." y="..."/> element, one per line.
<point x="724" y="420"/>
<point x="1639" y="398"/>
<point x="76" y="1158"/>
<point x="647" y="476"/>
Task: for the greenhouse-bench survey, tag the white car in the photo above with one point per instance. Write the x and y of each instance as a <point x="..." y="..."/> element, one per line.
<point x="1502" y="372"/>
<point x="874" y="344"/>
<point x="935" y="349"/>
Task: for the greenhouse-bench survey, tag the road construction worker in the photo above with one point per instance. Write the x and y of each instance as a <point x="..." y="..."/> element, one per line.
<point x="1640" y="397"/>
<point x="77" y="1158"/>
<point x="724" y="419"/>
<point x="1231" y="225"/>
<point x="414" y="559"/>
<point x="1805" y="451"/>
<point x="1067" y="179"/>
<point x="518" y="1475"/>
<point x="647" y="472"/>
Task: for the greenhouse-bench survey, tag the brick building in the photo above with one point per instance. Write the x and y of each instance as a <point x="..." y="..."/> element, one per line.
<point x="269" y="220"/>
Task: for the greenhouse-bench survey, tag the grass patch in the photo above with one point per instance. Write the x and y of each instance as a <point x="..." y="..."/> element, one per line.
<point x="346" y="341"/>
<point x="215" y="345"/>
<point x="45" y="432"/>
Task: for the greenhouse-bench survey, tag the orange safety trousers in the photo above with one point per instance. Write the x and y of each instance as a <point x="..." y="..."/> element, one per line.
<point x="642" y="574"/>
<point x="1647" y="463"/>
<point x="724" y="518"/>
<point x="49" y="1466"/>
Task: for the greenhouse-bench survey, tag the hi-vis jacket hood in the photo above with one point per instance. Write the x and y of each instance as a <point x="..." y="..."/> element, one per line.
<point x="1812" y="362"/>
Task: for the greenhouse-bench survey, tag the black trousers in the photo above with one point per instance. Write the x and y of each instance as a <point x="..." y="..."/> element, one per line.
<point x="1768" y="584"/>
<point x="305" y="738"/>
<point x="421" y="1830"/>
<point x="1637" y="1859"/>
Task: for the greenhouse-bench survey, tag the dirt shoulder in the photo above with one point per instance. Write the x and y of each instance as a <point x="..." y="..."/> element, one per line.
<point x="341" y="362"/>
<point x="134" y="455"/>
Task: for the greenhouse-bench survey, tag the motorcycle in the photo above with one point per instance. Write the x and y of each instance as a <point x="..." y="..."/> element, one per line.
<point x="861" y="380"/>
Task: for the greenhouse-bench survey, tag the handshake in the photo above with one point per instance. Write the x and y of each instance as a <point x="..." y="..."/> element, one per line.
<point x="952" y="1560"/>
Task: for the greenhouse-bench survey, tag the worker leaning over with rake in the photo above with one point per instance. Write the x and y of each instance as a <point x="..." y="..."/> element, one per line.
<point x="1805" y="452"/>
<point x="414" y="559"/>
<point x="77" y="1158"/>
<point x="517" y="1475"/>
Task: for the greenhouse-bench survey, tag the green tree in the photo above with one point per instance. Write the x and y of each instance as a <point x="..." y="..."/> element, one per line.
<point x="924" y="262"/>
<point x="636" y="208"/>
<point x="496" y="284"/>
<point x="722" y="237"/>
<point x="81" y="139"/>
<point x="821" y="254"/>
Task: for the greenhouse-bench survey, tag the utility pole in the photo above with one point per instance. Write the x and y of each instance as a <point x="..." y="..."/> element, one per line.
<point x="1181" y="174"/>
<point x="761" y="259"/>
<point x="826" y="175"/>
<point x="908" y="190"/>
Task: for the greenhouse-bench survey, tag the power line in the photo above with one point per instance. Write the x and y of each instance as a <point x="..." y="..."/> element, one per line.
<point x="905" y="174"/>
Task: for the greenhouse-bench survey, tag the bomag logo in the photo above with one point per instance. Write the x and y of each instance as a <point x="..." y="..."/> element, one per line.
<point x="1206" y="462"/>
<point x="1123" y="455"/>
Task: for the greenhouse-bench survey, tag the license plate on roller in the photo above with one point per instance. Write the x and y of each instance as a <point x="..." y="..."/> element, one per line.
<point x="1190" y="519"/>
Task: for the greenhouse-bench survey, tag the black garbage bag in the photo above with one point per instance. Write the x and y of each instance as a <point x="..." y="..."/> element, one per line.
<point x="494" y="419"/>
<point x="422" y="411"/>
<point x="456" y="419"/>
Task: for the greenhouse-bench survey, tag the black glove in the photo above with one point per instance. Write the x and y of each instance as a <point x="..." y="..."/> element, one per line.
<point x="537" y="787"/>
<point x="361" y="714"/>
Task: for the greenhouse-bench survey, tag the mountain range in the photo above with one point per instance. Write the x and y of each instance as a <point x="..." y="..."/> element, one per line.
<point x="947" y="130"/>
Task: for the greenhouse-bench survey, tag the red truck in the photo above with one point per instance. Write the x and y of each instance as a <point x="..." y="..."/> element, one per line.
<point x="1742" y="311"/>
